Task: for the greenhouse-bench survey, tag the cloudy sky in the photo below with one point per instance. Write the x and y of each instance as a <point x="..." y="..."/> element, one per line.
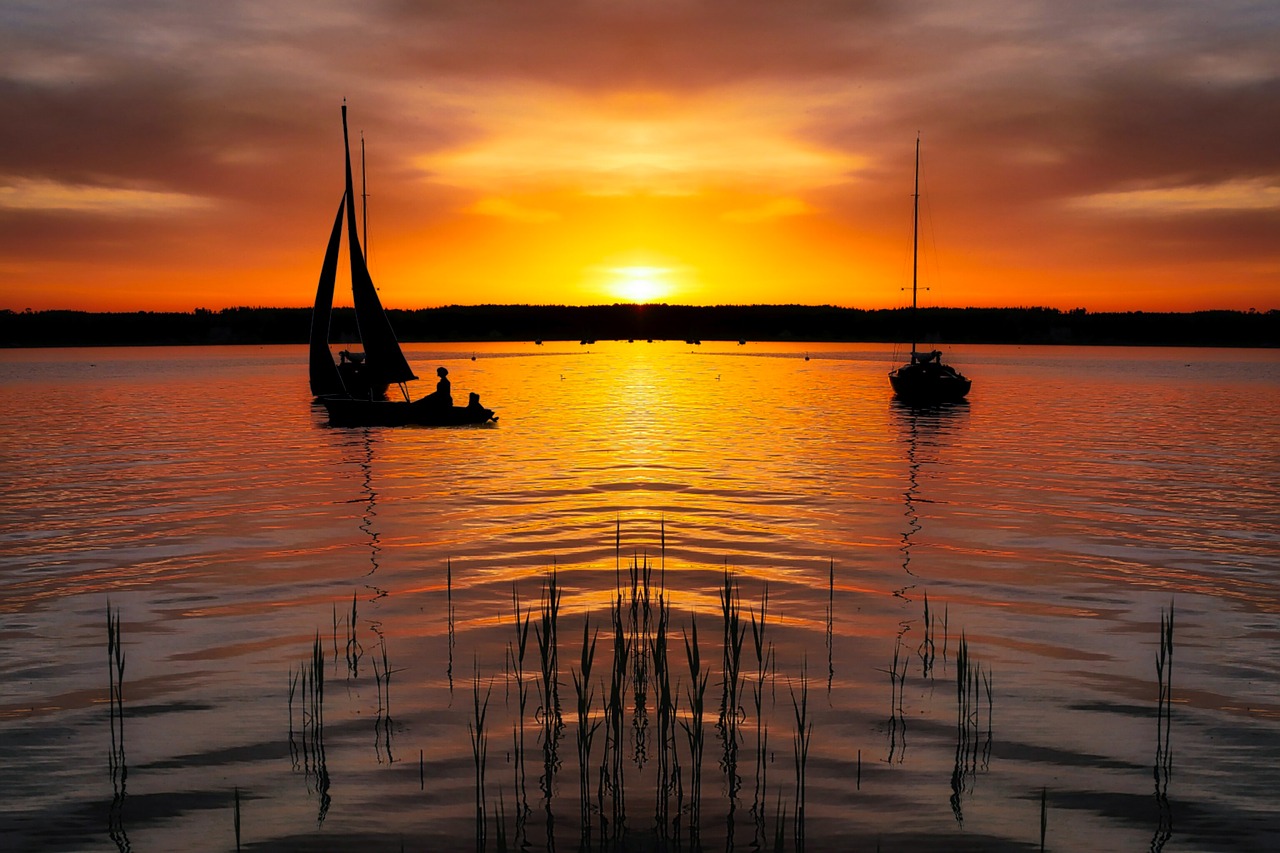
<point x="163" y="154"/>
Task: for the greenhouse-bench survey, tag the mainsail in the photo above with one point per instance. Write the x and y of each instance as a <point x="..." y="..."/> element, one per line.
<point x="324" y="373"/>
<point x="384" y="359"/>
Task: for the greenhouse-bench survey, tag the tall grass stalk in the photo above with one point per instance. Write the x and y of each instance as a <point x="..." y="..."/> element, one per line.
<point x="668" y="773"/>
<point x="549" y="712"/>
<point x="693" y="729"/>
<point x="479" y="746"/>
<point x="611" y="768"/>
<point x="733" y="632"/>
<point x="1163" y="767"/>
<point x="641" y="615"/>
<point x="354" y="650"/>
<point x="831" y="612"/>
<point x="800" y="749"/>
<point x="972" y="681"/>
<point x="928" y="647"/>
<point x="450" y="617"/>
<point x="517" y="658"/>
<point x="897" y="719"/>
<point x="764" y="653"/>
<point x="586" y="726"/>
<point x="118" y="764"/>
<point x="309" y="684"/>
<point x="382" y="725"/>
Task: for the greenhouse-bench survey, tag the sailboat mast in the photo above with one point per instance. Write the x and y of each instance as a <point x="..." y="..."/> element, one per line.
<point x="915" y="247"/>
<point x="364" y="201"/>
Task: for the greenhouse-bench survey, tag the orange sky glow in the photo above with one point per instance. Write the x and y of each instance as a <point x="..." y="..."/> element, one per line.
<point x="169" y="156"/>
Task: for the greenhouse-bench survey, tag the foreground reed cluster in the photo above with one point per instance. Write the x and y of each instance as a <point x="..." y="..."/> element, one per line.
<point x="664" y="689"/>
<point x="648" y="688"/>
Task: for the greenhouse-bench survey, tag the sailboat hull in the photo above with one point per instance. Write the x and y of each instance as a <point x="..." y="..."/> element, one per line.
<point x="348" y="412"/>
<point x="927" y="385"/>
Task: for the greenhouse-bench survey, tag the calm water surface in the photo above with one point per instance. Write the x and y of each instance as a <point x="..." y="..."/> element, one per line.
<point x="1051" y="524"/>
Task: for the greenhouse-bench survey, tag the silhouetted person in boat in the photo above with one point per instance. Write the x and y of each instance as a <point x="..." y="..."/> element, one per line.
<point x="473" y="401"/>
<point x="441" y="397"/>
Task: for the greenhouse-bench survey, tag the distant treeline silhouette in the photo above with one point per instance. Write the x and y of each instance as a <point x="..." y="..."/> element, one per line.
<point x="656" y="322"/>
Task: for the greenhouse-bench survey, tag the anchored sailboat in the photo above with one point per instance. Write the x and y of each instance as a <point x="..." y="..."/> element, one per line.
<point x="353" y="389"/>
<point x="925" y="380"/>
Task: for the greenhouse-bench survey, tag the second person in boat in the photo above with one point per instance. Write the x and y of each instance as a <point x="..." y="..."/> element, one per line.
<point x="442" y="397"/>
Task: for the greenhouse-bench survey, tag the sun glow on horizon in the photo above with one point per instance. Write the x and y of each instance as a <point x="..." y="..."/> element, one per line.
<point x="640" y="283"/>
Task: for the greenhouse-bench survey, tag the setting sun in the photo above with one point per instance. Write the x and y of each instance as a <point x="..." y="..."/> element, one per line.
<point x="640" y="284"/>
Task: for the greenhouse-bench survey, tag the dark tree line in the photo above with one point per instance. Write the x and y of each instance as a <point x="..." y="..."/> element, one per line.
<point x="656" y="322"/>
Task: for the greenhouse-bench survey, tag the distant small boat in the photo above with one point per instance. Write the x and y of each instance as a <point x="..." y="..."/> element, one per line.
<point x="353" y="389"/>
<point x="924" y="380"/>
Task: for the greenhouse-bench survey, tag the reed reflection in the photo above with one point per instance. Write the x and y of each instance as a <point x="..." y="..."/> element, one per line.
<point x="118" y="765"/>
<point x="382" y="726"/>
<point x="1163" y="768"/>
<point x="307" y="684"/>
<point x="923" y="429"/>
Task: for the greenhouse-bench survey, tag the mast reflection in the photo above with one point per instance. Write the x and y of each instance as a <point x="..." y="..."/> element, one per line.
<point x="923" y="429"/>
<point x="118" y="765"/>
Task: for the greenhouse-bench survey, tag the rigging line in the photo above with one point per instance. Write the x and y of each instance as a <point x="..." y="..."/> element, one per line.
<point x="926" y="198"/>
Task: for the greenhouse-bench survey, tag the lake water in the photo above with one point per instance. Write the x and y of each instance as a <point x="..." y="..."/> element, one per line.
<point x="1052" y="524"/>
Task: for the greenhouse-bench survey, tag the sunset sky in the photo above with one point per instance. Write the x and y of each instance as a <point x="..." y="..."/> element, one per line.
<point x="168" y="155"/>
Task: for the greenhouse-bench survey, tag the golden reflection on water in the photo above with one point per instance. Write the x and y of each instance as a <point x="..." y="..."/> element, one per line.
<point x="1049" y="522"/>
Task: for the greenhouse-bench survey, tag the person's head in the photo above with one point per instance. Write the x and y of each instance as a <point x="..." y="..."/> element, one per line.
<point x="443" y="373"/>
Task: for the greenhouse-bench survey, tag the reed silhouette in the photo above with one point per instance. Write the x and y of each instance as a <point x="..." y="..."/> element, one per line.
<point x="801" y="740"/>
<point x="586" y="726"/>
<point x="516" y="657"/>
<point x="693" y="729"/>
<point x="307" y="684"/>
<point x="479" y="748"/>
<point x="665" y="697"/>
<point x="382" y="724"/>
<point x="118" y="765"/>
<point x="970" y="755"/>
<point x="1163" y="768"/>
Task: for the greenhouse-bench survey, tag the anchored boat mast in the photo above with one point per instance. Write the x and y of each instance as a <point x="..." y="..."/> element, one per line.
<point x="915" y="249"/>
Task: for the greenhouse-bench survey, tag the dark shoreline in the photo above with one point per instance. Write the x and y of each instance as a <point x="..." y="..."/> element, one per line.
<point x="807" y="323"/>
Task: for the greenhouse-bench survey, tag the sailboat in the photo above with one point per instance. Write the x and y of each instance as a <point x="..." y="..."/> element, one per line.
<point x="353" y="389"/>
<point x="925" y="380"/>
